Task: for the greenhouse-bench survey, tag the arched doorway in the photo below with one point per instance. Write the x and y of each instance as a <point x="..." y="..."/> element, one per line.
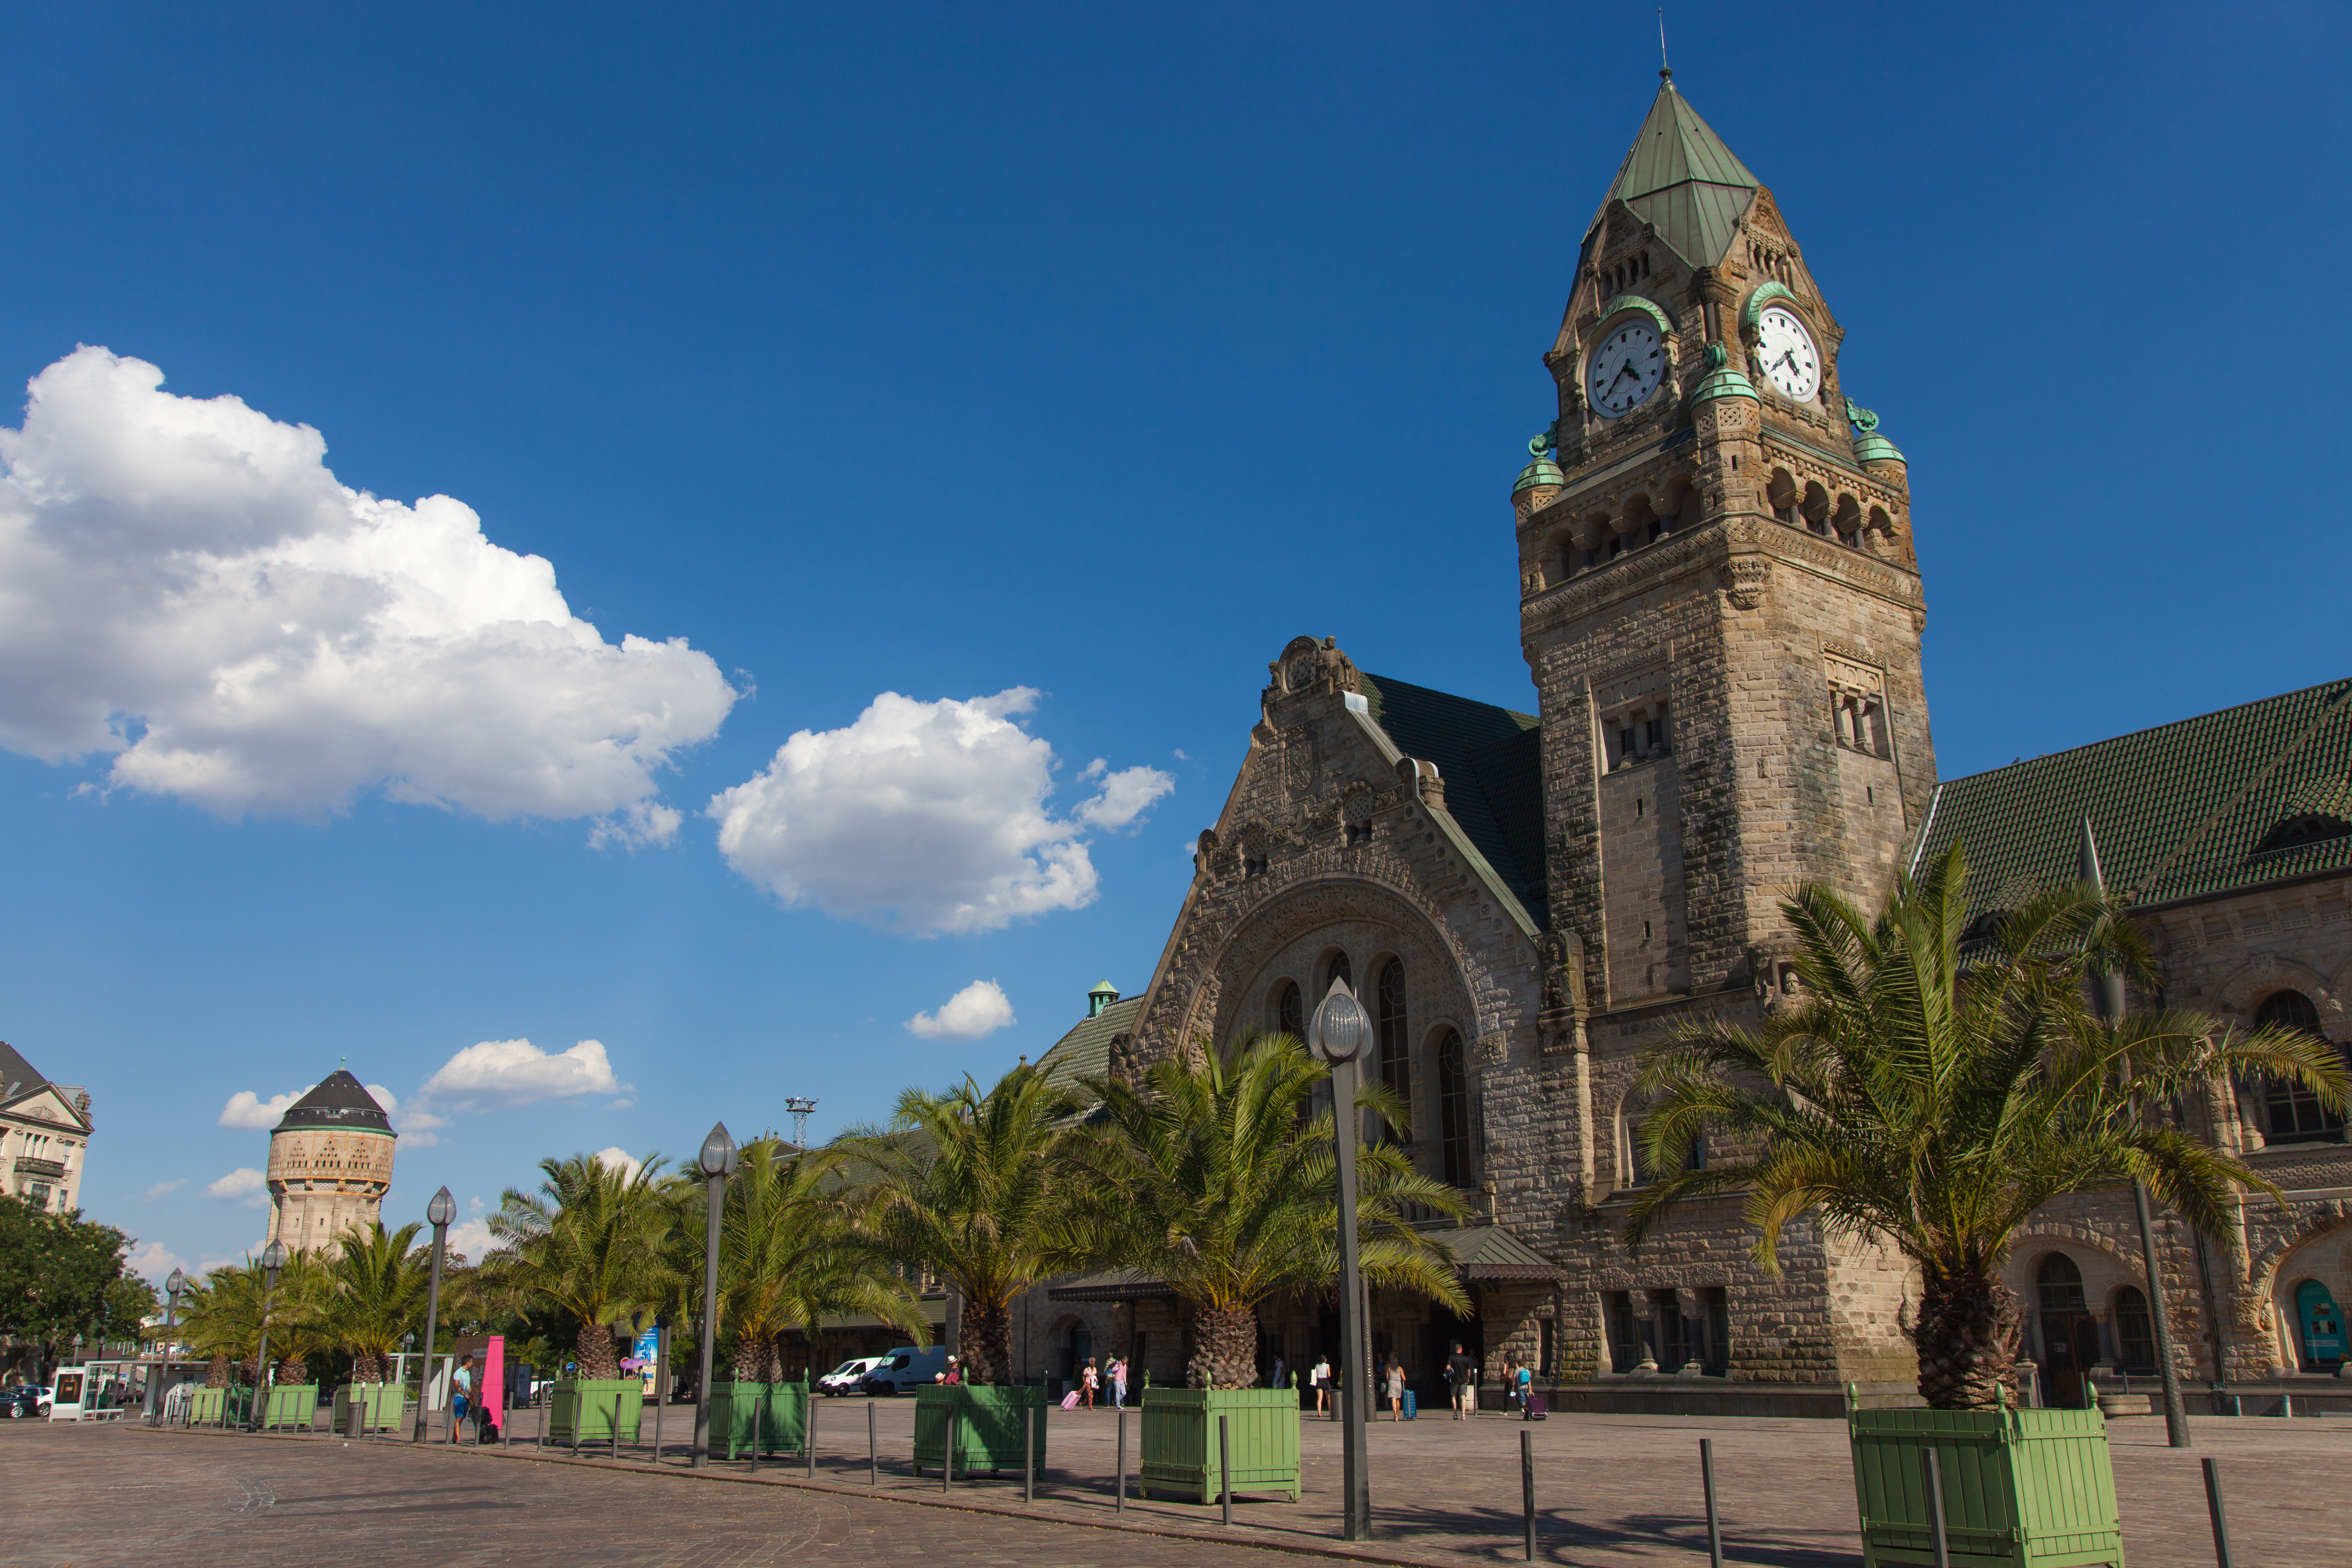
<point x="2070" y="1335"/>
<point x="1077" y="1344"/>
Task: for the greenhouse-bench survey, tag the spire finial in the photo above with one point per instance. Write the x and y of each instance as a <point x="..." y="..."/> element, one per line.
<point x="1665" y="71"/>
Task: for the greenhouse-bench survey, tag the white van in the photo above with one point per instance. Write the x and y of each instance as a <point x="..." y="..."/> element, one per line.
<point x="906" y="1368"/>
<point x="850" y="1375"/>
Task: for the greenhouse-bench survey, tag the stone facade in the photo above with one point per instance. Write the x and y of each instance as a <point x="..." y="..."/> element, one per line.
<point x="1721" y="611"/>
<point x="45" y="1131"/>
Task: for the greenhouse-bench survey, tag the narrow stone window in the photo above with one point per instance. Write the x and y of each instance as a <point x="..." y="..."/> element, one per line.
<point x="1452" y="1109"/>
<point x="2293" y="1113"/>
<point x="1395" y="1058"/>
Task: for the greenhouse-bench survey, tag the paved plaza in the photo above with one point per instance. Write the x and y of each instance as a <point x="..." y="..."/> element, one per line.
<point x="1613" y="1492"/>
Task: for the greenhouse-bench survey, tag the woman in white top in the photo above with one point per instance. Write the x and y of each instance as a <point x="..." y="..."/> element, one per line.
<point x="1321" y="1378"/>
<point x="1396" y="1389"/>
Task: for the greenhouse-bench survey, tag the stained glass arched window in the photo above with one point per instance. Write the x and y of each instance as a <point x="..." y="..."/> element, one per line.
<point x="1290" y="1010"/>
<point x="1395" y="1062"/>
<point x="1452" y="1109"/>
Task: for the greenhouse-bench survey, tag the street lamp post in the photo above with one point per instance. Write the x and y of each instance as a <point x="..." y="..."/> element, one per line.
<point x="1336" y="1035"/>
<point x="172" y="1288"/>
<point x="716" y="1162"/>
<point x="440" y="1212"/>
<point x="2107" y="998"/>
<point x="272" y="1262"/>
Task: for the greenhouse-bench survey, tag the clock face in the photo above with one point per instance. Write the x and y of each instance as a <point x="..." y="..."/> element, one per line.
<point x="1627" y="368"/>
<point x="1786" y="351"/>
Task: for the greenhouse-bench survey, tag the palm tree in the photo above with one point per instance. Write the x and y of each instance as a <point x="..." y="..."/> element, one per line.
<point x="1209" y="1176"/>
<point x="221" y="1316"/>
<point x="792" y="1253"/>
<point x="587" y="1245"/>
<point x="975" y="1187"/>
<point x="376" y="1282"/>
<point x="1930" y="1098"/>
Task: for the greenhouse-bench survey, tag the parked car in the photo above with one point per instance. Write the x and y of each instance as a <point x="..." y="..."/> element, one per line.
<point x="906" y="1368"/>
<point x="24" y="1400"/>
<point x="849" y="1377"/>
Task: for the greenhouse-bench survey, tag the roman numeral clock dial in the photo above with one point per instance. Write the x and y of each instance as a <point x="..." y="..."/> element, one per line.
<point x="1786" y="351"/>
<point x="1625" y="369"/>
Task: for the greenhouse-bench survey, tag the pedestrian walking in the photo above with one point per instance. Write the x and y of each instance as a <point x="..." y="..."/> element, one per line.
<point x="1089" y="1378"/>
<point x="1319" y="1379"/>
<point x="1396" y="1389"/>
<point x="1460" y="1377"/>
<point x="1280" y="1368"/>
<point x="1119" y="1384"/>
<point x="954" y="1373"/>
<point x="1526" y="1389"/>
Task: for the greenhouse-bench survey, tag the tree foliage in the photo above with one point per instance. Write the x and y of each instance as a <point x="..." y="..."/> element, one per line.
<point x="61" y="1275"/>
<point x="1930" y="1098"/>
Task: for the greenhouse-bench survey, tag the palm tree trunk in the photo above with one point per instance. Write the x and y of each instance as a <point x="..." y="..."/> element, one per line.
<point x="594" y="1349"/>
<point x="1224" y="1348"/>
<point x="985" y="1345"/>
<point x="1966" y="1335"/>
<point x="294" y="1369"/>
<point x="217" y="1374"/>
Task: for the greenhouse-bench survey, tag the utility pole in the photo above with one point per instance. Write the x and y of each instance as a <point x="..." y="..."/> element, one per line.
<point x="799" y="1108"/>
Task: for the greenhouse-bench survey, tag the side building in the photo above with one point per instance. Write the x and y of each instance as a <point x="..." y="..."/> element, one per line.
<point x="330" y="1164"/>
<point x="45" y="1131"/>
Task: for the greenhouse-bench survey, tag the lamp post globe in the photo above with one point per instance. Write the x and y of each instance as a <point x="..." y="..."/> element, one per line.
<point x="173" y="1286"/>
<point x="1337" y="1036"/>
<point x="440" y="1212"/>
<point x="717" y="1160"/>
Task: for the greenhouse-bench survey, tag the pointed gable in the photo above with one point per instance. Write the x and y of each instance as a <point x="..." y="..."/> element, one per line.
<point x="1681" y="178"/>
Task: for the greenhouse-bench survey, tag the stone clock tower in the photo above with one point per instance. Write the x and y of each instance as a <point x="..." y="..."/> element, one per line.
<point x="1721" y="605"/>
<point x="330" y="1164"/>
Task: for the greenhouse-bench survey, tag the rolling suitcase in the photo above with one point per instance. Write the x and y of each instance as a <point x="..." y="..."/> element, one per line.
<point x="1531" y="1408"/>
<point x="1411" y="1407"/>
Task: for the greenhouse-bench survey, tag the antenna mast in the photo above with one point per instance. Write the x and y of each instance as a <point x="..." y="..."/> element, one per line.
<point x="799" y="1108"/>
<point x="1665" y="71"/>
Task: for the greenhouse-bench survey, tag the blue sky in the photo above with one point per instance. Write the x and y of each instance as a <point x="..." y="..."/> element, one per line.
<point x="953" y="352"/>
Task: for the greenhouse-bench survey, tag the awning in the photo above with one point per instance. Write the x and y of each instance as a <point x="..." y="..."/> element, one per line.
<point x="1113" y="1285"/>
<point x="1491" y="1255"/>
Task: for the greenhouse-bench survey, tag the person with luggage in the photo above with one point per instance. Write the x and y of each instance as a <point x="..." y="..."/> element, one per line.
<point x="1396" y="1389"/>
<point x="1525" y="1389"/>
<point x="1461" y="1378"/>
<point x="1089" y="1379"/>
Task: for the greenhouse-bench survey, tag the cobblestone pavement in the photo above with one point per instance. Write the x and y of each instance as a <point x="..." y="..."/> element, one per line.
<point x="1613" y="1492"/>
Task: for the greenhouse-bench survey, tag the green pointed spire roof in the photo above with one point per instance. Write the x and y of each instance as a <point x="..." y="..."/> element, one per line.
<point x="1681" y="177"/>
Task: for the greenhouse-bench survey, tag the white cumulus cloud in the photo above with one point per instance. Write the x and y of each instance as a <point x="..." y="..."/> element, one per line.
<point x="248" y="1109"/>
<point x="472" y="1238"/>
<point x="619" y="1159"/>
<point x="164" y="1189"/>
<point x="186" y="588"/>
<point x="154" y="1260"/>
<point x="923" y="817"/>
<point x="245" y="1183"/>
<point x="498" y="1073"/>
<point x="980" y="1008"/>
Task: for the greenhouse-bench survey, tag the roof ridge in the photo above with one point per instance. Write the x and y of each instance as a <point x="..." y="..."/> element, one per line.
<point x="2345" y="682"/>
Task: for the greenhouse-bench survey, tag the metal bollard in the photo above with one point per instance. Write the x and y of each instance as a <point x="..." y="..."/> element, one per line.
<point x="808" y="1430"/>
<point x="1935" y="1506"/>
<point x="2286" y="1404"/>
<point x="616" y="1426"/>
<point x="947" y="1452"/>
<point x="2221" y="1515"/>
<point x="1029" y="1454"/>
<point x="1120" y="1507"/>
<point x="1225" y="1465"/>
<point x="1527" y="1487"/>
<point x="873" y="1454"/>
<point x="1713" y="1523"/>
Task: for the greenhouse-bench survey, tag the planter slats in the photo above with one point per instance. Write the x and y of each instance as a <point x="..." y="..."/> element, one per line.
<point x="2030" y="1489"/>
<point x="781" y="1409"/>
<point x="379" y="1407"/>
<point x="584" y="1411"/>
<point x="1179" y="1441"/>
<point x="290" y="1405"/>
<point x="988" y="1427"/>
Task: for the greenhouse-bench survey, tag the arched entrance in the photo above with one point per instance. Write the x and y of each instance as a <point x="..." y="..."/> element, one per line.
<point x="1077" y="1344"/>
<point x="2070" y="1335"/>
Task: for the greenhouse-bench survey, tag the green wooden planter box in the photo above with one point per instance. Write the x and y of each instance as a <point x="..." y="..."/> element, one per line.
<point x="380" y="1404"/>
<point x="2030" y="1489"/>
<point x="989" y="1423"/>
<point x="290" y="1405"/>
<point x="210" y="1407"/>
<point x="584" y="1411"/>
<point x="781" y="1409"/>
<point x="1179" y="1441"/>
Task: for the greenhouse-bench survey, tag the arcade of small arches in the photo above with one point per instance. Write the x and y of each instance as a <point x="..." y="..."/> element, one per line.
<point x="1601" y="535"/>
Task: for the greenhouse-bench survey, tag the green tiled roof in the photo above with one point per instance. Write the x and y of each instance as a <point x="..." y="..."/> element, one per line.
<point x="1084" y="1051"/>
<point x="2226" y="800"/>
<point x="1681" y="177"/>
<point x="1490" y="760"/>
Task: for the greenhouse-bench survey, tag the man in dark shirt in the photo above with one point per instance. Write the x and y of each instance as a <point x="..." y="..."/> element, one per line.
<point x="1460" y="1377"/>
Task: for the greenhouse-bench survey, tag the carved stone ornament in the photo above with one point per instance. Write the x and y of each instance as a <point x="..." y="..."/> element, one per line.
<point x="1307" y="665"/>
<point x="1745" y="578"/>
